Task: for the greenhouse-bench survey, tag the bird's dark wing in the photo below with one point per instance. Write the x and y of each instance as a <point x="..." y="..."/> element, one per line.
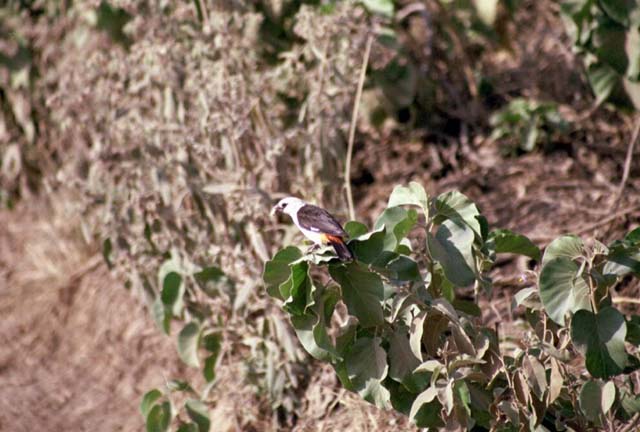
<point x="316" y="219"/>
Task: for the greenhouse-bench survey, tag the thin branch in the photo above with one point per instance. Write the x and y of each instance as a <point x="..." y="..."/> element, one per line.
<point x="631" y="300"/>
<point x="607" y="220"/>
<point x="627" y="164"/>
<point x="632" y="423"/>
<point x="352" y="128"/>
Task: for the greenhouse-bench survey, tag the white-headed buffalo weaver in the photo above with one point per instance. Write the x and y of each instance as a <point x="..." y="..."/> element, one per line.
<point x="316" y="224"/>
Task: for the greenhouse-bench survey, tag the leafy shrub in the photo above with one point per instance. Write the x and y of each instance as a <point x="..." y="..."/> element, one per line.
<point x="396" y="329"/>
<point x="606" y="34"/>
<point x="528" y="123"/>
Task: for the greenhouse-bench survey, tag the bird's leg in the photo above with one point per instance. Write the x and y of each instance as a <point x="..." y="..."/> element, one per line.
<point x="314" y="247"/>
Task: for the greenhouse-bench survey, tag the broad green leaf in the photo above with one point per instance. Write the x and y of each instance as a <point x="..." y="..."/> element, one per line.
<point x="112" y="20"/>
<point x="415" y="334"/>
<point x="562" y="290"/>
<point x="380" y="7"/>
<point x="161" y="316"/>
<point x="298" y="290"/>
<point x="633" y="330"/>
<point x="362" y="292"/>
<point x="172" y="285"/>
<point x="368" y="247"/>
<point x="199" y="413"/>
<point x="277" y="270"/>
<point x="425" y="411"/>
<point x="568" y="246"/>
<point x="188" y="342"/>
<point x="600" y="338"/>
<point x="355" y="229"/>
<point x="398" y="222"/>
<point x="509" y="242"/>
<point x="159" y="418"/>
<point x="414" y="194"/>
<point x="619" y="10"/>
<point x="603" y="79"/>
<point x="179" y="386"/>
<point x="311" y="328"/>
<point x="452" y="248"/>
<point x="188" y="427"/>
<point x="212" y="342"/>
<point x="456" y="207"/>
<point x="171" y="289"/>
<point x="403" y="269"/>
<point x="623" y="257"/>
<point x="148" y="400"/>
<point x="367" y="367"/>
<point x="630" y="404"/>
<point x="596" y="399"/>
<point x="402" y="361"/>
<point x="213" y="280"/>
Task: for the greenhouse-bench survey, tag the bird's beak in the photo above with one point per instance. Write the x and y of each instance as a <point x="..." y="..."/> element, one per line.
<point x="275" y="210"/>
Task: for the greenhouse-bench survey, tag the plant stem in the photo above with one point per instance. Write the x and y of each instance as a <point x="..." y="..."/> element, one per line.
<point x="352" y="128"/>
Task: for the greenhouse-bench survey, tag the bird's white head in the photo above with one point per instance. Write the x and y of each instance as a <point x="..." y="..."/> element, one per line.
<point x="289" y="205"/>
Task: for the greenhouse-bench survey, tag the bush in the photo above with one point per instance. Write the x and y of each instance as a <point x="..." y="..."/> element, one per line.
<point x="397" y="330"/>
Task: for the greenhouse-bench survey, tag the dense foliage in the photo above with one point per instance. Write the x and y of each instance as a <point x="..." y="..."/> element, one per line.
<point x="406" y="336"/>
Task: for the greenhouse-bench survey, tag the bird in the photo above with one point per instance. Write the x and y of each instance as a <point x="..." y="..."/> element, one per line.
<point x="317" y="224"/>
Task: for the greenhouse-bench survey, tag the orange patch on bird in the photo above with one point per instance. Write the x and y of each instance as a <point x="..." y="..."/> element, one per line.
<point x="328" y="238"/>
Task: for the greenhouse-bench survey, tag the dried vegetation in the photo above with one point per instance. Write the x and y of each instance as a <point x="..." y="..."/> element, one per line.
<point x="171" y="136"/>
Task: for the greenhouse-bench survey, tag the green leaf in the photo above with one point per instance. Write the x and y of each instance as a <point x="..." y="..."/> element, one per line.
<point x="380" y="7"/>
<point x="213" y="280"/>
<point x="633" y="330"/>
<point x="402" y="361"/>
<point x="456" y="207"/>
<point x="366" y="364"/>
<point x="277" y="271"/>
<point x="509" y="242"/>
<point x="398" y="222"/>
<point x="596" y="399"/>
<point x="355" y="229"/>
<point x="107" y="248"/>
<point x="619" y="10"/>
<point x="198" y="412"/>
<point x="171" y="288"/>
<point x="112" y="20"/>
<point x="568" y="246"/>
<point x="212" y="342"/>
<point x="362" y="292"/>
<point x="603" y="79"/>
<point x="188" y="342"/>
<point x="425" y="411"/>
<point x="179" y="386"/>
<point x="600" y="338"/>
<point x="148" y="400"/>
<point x="298" y="290"/>
<point x="562" y="290"/>
<point x="403" y="269"/>
<point x="172" y="292"/>
<point x="311" y="328"/>
<point x="414" y="194"/>
<point x="188" y="427"/>
<point x="159" y="418"/>
<point x="161" y="316"/>
<point x="452" y="248"/>
<point x="368" y="247"/>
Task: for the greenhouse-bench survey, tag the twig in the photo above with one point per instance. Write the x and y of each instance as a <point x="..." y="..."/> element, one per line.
<point x="352" y="128"/>
<point x="607" y="220"/>
<point x="629" y="427"/>
<point x="627" y="165"/>
<point x="626" y="300"/>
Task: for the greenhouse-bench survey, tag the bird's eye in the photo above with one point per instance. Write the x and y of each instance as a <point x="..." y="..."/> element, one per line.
<point x="284" y="205"/>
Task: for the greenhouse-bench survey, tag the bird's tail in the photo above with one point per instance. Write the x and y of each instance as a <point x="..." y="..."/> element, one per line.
<point x="341" y="248"/>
